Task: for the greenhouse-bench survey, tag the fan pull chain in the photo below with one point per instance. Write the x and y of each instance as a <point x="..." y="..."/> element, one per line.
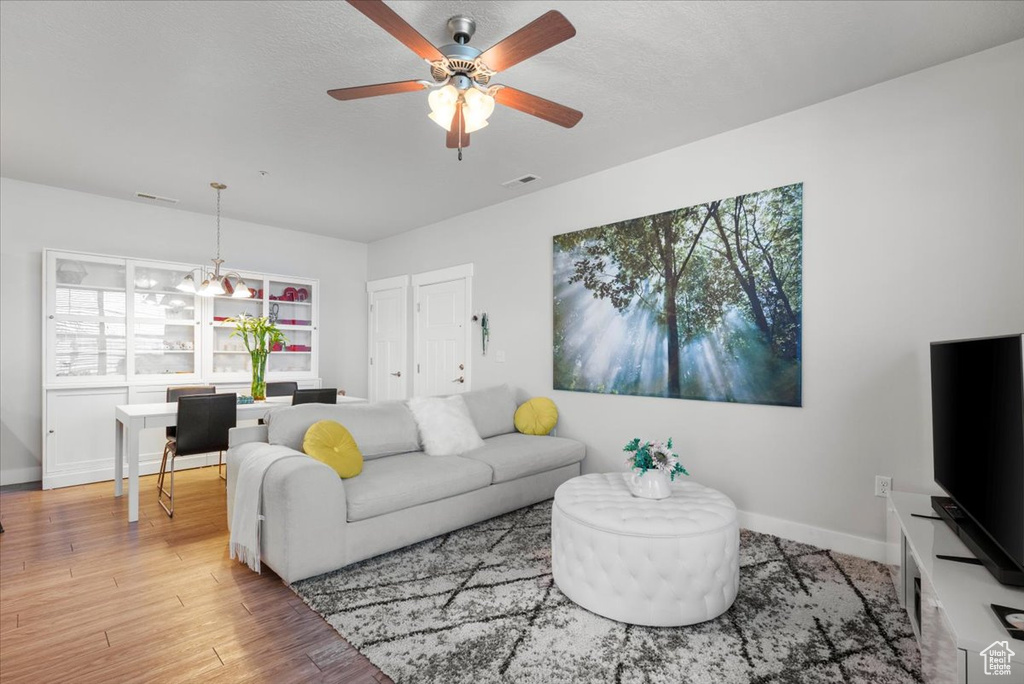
<point x="462" y="118"/>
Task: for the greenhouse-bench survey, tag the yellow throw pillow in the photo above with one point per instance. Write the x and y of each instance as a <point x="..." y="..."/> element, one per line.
<point x="537" y="416"/>
<point x="330" y="442"/>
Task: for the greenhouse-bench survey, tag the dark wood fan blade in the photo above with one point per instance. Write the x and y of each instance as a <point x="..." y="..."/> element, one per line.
<point x="540" y="34"/>
<point x="385" y="17"/>
<point x="375" y="90"/>
<point x="538" y="106"/>
<point x="458" y="126"/>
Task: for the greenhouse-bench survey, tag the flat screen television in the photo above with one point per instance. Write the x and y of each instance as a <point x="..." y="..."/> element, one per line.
<point x="978" y="434"/>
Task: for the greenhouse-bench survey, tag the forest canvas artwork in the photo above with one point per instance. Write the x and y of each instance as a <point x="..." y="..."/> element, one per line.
<point x="703" y="302"/>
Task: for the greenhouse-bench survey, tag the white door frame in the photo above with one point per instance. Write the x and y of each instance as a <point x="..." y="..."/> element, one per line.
<point x="397" y="282"/>
<point x="460" y="272"/>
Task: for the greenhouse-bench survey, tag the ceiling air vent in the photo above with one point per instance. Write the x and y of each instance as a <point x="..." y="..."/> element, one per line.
<point x="522" y="180"/>
<point x="158" y="198"/>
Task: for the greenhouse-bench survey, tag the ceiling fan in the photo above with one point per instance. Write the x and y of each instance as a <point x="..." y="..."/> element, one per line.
<point x="463" y="96"/>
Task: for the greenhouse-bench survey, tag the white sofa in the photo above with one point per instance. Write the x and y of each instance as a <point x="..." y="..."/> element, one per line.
<point x="315" y="522"/>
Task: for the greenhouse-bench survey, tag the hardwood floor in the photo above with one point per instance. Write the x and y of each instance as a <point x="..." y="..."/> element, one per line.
<point x="87" y="597"/>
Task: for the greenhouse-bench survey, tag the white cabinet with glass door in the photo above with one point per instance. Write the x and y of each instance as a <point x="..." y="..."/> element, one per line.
<point x="227" y="359"/>
<point x="164" y="334"/>
<point x="119" y="330"/>
<point x="292" y="304"/>
<point x="86" y="319"/>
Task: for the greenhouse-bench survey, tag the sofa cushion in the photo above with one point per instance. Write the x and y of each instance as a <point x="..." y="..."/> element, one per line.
<point x="515" y="455"/>
<point x="492" y="410"/>
<point x="446" y="429"/>
<point x="538" y="416"/>
<point x="379" y="429"/>
<point x="402" y="481"/>
<point x="329" y="442"/>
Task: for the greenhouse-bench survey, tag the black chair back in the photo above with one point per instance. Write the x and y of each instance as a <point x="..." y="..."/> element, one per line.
<point x="315" y="396"/>
<point x="203" y="423"/>
<point x="281" y="389"/>
<point x="174" y="392"/>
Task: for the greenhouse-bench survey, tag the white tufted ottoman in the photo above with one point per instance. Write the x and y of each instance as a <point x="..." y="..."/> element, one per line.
<point x="658" y="563"/>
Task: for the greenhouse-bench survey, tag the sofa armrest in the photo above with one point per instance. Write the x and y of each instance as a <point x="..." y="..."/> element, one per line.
<point x="242" y="435"/>
<point x="304" y="519"/>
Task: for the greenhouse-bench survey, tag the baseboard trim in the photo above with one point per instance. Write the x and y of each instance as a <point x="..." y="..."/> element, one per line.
<point x="106" y="473"/>
<point x="862" y="547"/>
<point x="10" y="476"/>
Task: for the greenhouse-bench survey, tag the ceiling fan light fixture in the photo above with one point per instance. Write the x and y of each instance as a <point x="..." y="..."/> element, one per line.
<point x="462" y="99"/>
<point x="478" y="108"/>
<point x="442" y="105"/>
<point x="443" y="118"/>
<point x="471" y="126"/>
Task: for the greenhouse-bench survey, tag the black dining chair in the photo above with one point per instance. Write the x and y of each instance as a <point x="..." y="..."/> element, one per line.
<point x="172" y="398"/>
<point x="174" y="392"/>
<point x="315" y="396"/>
<point x="281" y="389"/>
<point x="203" y="424"/>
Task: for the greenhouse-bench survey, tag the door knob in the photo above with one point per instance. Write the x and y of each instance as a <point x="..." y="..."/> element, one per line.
<point x="398" y="374"/>
<point x="461" y="378"/>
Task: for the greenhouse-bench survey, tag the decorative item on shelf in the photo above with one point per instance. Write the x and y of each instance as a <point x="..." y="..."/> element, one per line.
<point x="71" y="272"/>
<point x="259" y="336"/>
<point x="654" y="466"/>
<point x="289" y="294"/>
<point x="245" y="399"/>
<point x="145" y="282"/>
<point x="213" y="283"/>
<point x="275" y="310"/>
<point x="301" y="295"/>
<point x="277" y="347"/>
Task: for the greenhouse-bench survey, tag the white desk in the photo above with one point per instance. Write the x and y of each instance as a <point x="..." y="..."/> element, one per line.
<point x="131" y="419"/>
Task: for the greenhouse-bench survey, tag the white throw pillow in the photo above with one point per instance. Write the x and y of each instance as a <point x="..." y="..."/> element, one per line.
<point x="446" y="428"/>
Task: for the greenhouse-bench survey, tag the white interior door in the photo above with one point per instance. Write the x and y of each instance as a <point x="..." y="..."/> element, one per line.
<point x="442" y="329"/>
<point x="387" y="344"/>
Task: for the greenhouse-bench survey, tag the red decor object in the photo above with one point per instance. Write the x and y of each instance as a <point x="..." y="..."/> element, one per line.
<point x="302" y="294"/>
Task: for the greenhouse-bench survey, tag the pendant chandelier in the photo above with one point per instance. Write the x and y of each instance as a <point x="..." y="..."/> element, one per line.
<point x="213" y="283"/>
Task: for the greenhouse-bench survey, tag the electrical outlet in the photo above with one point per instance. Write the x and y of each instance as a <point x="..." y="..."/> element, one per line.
<point x="499" y="356"/>
<point x="883" y="485"/>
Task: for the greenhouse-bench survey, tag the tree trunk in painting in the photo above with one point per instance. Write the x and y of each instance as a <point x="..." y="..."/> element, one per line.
<point x="740" y="267"/>
<point x="672" y="326"/>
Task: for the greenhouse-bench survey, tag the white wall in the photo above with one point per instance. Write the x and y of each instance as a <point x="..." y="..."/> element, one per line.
<point x="913" y="232"/>
<point x="34" y="217"/>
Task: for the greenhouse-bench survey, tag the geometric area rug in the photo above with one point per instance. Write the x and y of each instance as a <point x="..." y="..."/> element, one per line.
<point x="478" y="605"/>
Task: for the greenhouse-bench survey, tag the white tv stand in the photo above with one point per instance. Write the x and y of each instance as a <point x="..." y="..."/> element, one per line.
<point x="948" y="602"/>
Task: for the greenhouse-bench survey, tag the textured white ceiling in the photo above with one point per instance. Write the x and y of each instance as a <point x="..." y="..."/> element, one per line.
<point x="164" y="97"/>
